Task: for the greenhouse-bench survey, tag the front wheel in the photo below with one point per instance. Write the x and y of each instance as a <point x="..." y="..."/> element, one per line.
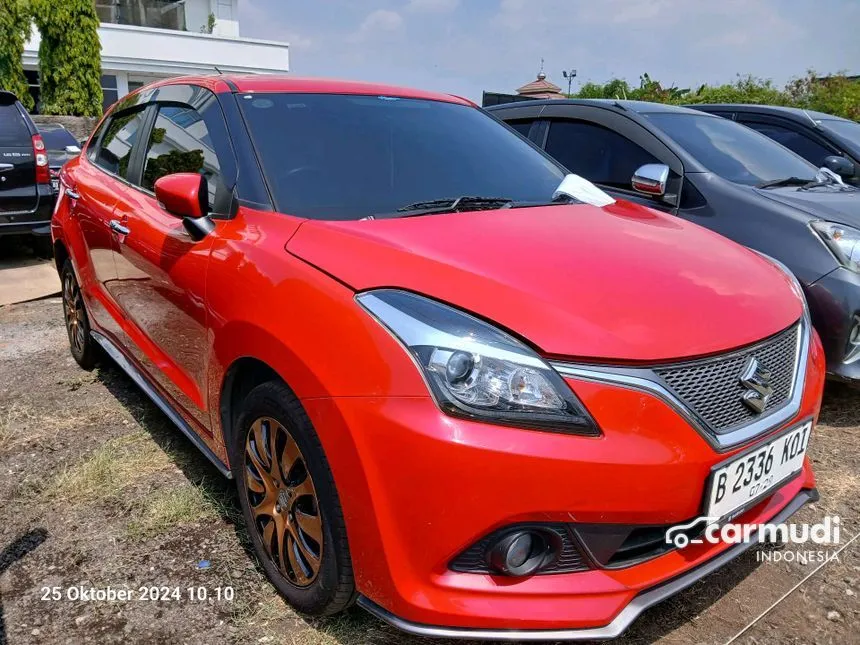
<point x="77" y="322"/>
<point x="290" y="503"/>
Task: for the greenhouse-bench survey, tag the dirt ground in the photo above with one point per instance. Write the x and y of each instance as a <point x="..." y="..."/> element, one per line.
<point x="98" y="490"/>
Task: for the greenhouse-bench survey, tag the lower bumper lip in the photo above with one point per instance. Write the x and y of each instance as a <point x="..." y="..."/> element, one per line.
<point x="618" y="625"/>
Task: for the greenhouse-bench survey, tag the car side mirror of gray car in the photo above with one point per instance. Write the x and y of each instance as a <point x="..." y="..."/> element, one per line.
<point x="651" y="179"/>
<point x="840" y="165"/>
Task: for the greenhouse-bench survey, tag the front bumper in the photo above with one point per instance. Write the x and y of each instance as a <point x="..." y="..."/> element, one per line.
<point x="834" y="304"/>
<point x="618" y="625"/>
<point x="418" y="487"/>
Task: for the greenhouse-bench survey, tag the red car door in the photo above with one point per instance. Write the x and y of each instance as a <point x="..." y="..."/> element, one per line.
<point x="90" y="193"/>
<point x="161" y="270"/>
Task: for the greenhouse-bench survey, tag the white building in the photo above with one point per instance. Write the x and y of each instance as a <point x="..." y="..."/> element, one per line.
<point x="146" y="40"/>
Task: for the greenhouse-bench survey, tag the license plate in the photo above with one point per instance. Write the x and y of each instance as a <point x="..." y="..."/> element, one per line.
<point x="752" y="475"/>
<point x="55" y="184"/>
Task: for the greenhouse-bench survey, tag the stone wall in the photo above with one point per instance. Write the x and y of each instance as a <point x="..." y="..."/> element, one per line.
<point x="79" y="126"/>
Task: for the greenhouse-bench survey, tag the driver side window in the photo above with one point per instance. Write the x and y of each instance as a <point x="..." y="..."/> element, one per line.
<point x="596" y="153"/>
<point x="180" y="142"/>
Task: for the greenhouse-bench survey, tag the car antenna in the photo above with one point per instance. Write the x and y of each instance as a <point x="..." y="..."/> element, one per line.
<point x="815" y="124"/>
<point x="218" y="70"/>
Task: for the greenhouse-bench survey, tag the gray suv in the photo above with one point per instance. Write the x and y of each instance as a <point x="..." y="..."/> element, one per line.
<point x="726" y="177"/>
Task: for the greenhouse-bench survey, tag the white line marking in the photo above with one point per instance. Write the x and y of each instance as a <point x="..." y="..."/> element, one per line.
<point x="790" y="591"/>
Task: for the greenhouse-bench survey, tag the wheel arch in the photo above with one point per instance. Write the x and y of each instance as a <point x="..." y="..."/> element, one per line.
<point x="61" y="254"/>
<point x="242" y="376"/>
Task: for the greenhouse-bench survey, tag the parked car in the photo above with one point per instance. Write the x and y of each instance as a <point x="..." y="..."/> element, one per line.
<point x="62" y="147"/>
<point x="471" y="409"/>
<point x="726" y="177"/>
<point x="26" y="199"/>
<point x="822" y="139"/>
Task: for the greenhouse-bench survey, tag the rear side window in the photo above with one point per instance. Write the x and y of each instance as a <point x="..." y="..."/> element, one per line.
<point x="795" y="141"/>
<point x="596" y="153"/>
<point x="13" y="128"/>
<point x="115" y="147"/>
<point x="180" y="142"/>
<point x="522" y="126"/>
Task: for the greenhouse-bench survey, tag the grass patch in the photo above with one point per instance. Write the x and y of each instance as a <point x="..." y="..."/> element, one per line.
<point x="264" y="614"/>
<point x="164" y="509"/>
<point x="110" y="470"/>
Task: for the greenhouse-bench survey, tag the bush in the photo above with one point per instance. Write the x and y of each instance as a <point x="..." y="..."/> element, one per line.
<point x="835" y="94"/>
<point x="14" y="30"/>
<point x="69" y="57"/>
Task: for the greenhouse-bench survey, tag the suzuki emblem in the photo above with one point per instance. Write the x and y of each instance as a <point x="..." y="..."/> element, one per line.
<point x="757" y="381"/>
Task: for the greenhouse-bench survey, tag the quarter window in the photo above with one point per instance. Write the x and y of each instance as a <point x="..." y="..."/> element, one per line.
<point x="596" y="153"/>
<point x="180" y="142"/>
<point x="115" y="147"/>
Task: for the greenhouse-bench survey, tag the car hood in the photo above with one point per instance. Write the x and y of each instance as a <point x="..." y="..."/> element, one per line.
<point x="819" y="203"/>
<point x="618" y="283"/>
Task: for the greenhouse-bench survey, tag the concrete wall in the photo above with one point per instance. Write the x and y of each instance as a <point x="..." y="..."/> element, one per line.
<point x="79" y="126"/>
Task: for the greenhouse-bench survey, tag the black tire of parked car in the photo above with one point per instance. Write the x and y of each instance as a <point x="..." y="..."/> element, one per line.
<point x="333" y="587"/>
<point x="83" y="347"/>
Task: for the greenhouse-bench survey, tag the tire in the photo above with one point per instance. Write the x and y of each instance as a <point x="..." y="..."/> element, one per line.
<point x="300" y="517"/>
<point x="81" y="343"/>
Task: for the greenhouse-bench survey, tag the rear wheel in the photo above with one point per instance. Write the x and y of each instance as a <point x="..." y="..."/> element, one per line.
<point x="77" y="322"/>
<point x="290" y="504"/>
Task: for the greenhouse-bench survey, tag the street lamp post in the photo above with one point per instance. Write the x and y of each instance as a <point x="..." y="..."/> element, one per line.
<point x="569" y="75"/>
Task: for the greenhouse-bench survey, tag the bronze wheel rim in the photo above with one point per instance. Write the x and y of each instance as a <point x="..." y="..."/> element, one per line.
<point x="283" y="501"/>
<point x="73" y="306"/>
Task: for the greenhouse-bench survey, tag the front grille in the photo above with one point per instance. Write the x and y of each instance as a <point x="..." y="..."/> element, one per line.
<point x="473" y="559"/>
<point x="712" y="388"/>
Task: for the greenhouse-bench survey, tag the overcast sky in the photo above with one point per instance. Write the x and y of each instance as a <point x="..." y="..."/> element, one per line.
<point x="466" y="46"/>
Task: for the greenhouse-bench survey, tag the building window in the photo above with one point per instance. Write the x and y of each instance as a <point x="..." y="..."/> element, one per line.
<point x="160" y="14"/>
<point x="110" y="94"/>
<point x="33" y="85"/>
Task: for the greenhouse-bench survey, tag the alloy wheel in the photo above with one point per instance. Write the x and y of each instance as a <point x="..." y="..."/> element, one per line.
<point x="283" y="501"/>
<point x="73" y="306"/>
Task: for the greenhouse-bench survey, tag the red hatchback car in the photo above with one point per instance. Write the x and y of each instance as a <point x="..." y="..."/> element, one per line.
<point x="472" y="409"/>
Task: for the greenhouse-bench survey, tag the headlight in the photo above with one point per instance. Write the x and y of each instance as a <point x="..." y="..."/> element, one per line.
<point x="475" y="370"/>
<point x="843" y="242"/>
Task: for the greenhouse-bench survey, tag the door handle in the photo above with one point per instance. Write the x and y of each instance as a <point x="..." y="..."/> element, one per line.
<point x="116" y="227"/>
<point x="72" y="194"/>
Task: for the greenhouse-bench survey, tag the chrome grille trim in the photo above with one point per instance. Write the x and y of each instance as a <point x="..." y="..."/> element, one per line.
<point x="645" y="379"/>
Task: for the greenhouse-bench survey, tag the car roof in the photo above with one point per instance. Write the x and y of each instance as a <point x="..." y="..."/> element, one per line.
<point x="283" y="83"/>
<point x="640" y="107"/>
<point x="798" y="114"/>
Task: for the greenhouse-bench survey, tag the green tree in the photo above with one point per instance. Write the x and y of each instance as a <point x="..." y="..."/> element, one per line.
<point x="69" y="57"/>
<point x="836" y="94"/>
<point x="14" y="30"/>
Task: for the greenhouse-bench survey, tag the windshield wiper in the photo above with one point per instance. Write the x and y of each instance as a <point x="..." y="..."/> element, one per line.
<point x="787" y="181"/>
<point x="451" y="205"/>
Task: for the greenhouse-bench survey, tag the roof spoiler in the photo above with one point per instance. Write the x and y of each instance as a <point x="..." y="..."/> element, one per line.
<point x="497" y="98"/>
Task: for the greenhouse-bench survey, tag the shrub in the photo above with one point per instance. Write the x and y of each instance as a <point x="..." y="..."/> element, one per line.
<point x="835" y="94"/>
<point x="69" y="57"/>
<point x="14" y="30"/>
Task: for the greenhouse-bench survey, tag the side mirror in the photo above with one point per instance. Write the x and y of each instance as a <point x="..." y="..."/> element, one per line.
<point x="651" y="179"/>
<point x="186" y="195"/>
<point x="840" y="165"/>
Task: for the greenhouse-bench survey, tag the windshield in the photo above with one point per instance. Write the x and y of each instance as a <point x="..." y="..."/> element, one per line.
<point x="847" y="129"/>
<point x="733" y="151"/>
<point x="58" y="139"/>
<point x="341" y="157"/>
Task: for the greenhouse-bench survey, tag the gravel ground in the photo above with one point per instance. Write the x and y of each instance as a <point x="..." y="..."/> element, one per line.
<point x="97" y="490"/>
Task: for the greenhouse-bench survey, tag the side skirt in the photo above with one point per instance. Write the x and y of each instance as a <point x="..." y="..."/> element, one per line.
<point x="144" y="384"/>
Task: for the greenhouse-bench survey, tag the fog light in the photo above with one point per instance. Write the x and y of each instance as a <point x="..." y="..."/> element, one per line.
<point x="853" y="349"/>
<point x="521" y="553"/>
